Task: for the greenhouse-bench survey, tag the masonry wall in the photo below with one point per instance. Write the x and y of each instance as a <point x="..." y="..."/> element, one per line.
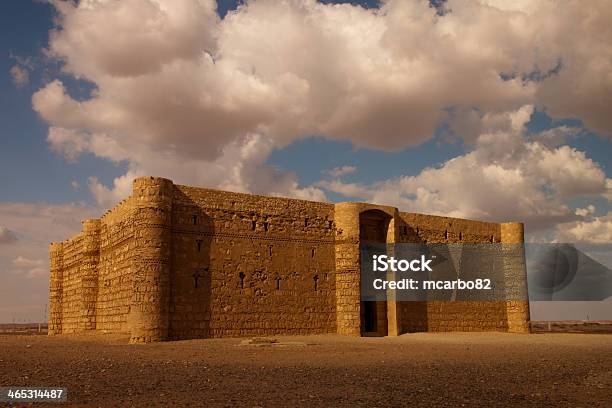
<point x="263" y="265"/>
<point x="178" y="262"/>
<point x="114" y="268"/>
<point x="460" y="315"/>
<point x="91" y="280"/>
<point x="71" y="300"/>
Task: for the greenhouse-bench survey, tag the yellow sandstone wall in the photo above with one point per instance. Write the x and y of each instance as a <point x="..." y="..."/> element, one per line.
<point x="114" y="269"/>
<point x="465" y="315"/>
<point x="265" y="265"/>
<point x="91" y="283"/>
<point x="72" y="290"/>
<point x="177" y="262"/>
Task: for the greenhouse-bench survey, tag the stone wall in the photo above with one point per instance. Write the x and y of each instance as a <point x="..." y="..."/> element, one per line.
<point x="465" y="315"/>
<point x="178" y="262"/>
<point x="91" y="275"/>
<point x="114" y="269"/>
<point x="262" y="265"/>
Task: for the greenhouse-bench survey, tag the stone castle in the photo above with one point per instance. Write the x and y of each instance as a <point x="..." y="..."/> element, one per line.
<point x="179" y="262"/>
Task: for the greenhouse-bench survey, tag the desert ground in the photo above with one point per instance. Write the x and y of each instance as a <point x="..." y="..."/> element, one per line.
<point x="416" y="370"/>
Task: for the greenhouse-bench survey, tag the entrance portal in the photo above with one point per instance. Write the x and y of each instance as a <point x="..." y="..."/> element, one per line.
<point x="373" y="228"/>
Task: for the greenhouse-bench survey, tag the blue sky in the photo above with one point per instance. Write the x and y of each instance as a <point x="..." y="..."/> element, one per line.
<point x="416" y="107"/>
<point x="29" y="170"/>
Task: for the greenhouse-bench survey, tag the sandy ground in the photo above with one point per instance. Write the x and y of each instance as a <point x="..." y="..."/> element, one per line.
<point x="416" y="370"/>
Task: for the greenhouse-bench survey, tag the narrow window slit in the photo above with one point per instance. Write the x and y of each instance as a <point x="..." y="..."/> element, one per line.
<point x="199" y="242"/>
<point x="315" y="279"/>
<point x="196" y="277"/>
<point x="253" y="225"/>
<point x="241" y="276"/>
<point x="194" y="219"/>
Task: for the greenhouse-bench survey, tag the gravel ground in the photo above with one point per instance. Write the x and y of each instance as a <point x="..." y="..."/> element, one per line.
<point x="416" y="370"/>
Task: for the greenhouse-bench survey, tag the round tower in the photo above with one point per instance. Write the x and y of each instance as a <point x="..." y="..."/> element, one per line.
<point x="515" y="274"/>
<point x="148" y="316"/>
<point x="348" y="273"/>
<point x="89" y="273"/>
<point x="55" y="288"/>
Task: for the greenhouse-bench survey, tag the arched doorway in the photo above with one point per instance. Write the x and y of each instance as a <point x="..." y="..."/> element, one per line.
<point x="373" y="229"/>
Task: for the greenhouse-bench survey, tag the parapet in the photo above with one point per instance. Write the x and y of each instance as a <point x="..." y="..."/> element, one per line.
<point x="91" y="225"/>
<point x="144" y="186"/>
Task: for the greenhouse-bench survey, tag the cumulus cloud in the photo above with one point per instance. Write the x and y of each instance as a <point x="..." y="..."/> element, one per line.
<point x="7" y="236"/>
<point x="341" y="171"/>
<point x="505" y="177"/>
<point x="181" y="93"/>
<point x="187" y="87"/>
<point x="597" y="230"/>
<point x="240" y="167"/>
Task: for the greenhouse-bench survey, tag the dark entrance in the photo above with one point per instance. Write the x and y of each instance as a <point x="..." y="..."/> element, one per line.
<point x="373" y="228"/>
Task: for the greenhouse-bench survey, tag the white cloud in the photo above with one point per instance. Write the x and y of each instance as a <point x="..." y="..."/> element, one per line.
<point x="133" y="37"/>
<point x="341" y="171"/>
<point x="240" y="167"/>
<point x="22" y="262"/>
<point x="608" y="193"/>
<point x="185" y="95"/>
<point x="178" y="90"/>
<point x="108" y="197"/>
<point x="598" y="230"/>
<point x="586" y="211"/>
<point x="505" y="177"/>
<point x="66" y="142"/>
<point x="31" y="268"/>
<point x="20" y="75"/>
<point x="7" y="236"/>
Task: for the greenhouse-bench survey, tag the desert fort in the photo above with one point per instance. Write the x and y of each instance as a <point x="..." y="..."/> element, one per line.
<point x="180" y="262"/>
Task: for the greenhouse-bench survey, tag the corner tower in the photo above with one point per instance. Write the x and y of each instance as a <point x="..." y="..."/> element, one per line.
<point x="56" y="252"/>
<point x="515" y="274"/>
<point x="89" y="274"/>
<point x="152" y="217"/>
